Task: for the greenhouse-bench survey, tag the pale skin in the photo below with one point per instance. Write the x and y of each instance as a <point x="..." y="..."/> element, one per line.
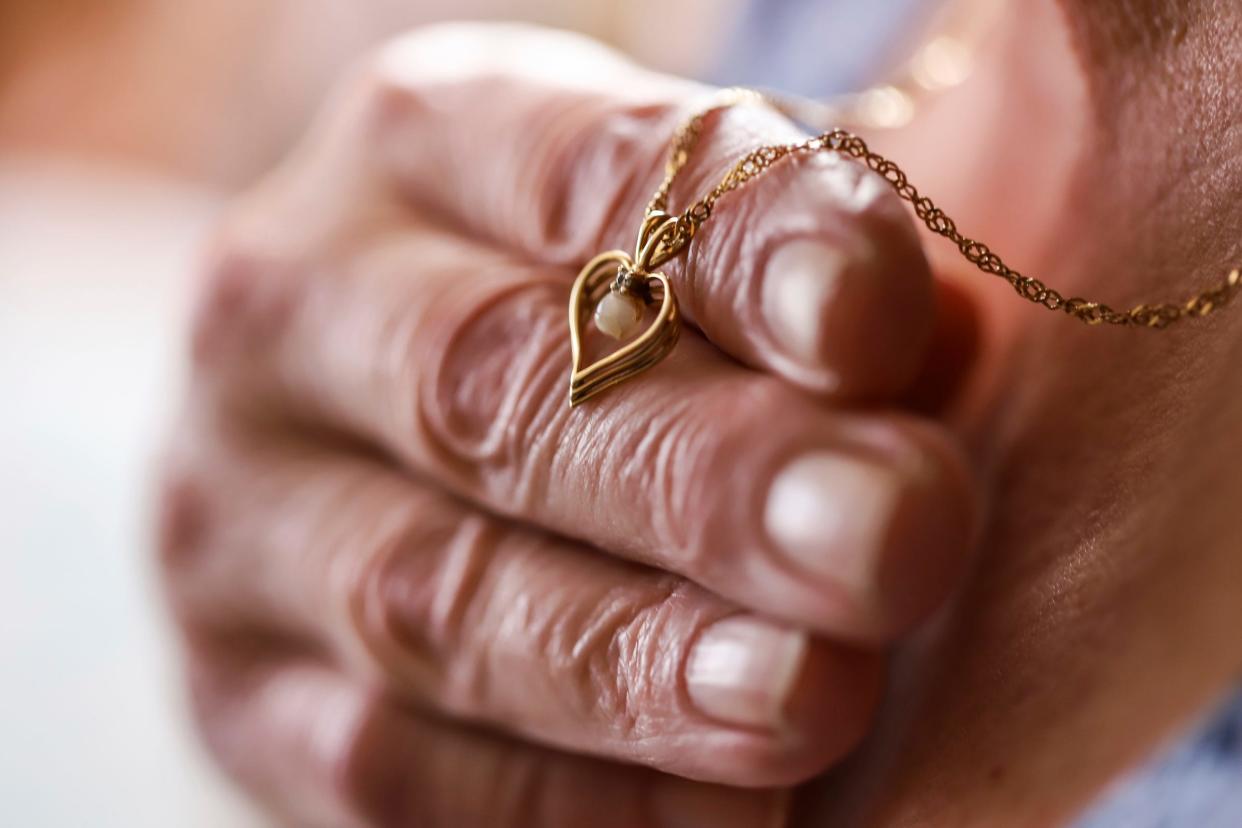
<point x="404" y="568"/>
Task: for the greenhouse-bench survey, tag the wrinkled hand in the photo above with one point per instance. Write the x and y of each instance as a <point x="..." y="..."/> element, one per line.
<point x="416" y="589"/>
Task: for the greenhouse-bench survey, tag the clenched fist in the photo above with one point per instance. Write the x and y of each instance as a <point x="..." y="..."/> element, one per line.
<point x="417" y="589"/>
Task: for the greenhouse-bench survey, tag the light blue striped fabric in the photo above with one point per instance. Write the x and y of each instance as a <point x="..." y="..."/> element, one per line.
<point x="826" y="47"/>
<point x="1197" y="784"/>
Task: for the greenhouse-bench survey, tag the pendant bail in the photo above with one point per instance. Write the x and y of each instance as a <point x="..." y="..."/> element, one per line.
<point x="660" y="238"/>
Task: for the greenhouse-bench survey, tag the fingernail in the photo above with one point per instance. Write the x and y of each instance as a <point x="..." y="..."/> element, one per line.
<point x="679" y="803"/>
<point x="742" y="670"/>
<point x="799" y="280"/>
<point x="829" y="513"/>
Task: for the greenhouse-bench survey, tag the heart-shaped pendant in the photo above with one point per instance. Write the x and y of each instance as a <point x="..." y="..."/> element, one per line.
<point x="616" y="271"/>
<point x="633" y="284"/>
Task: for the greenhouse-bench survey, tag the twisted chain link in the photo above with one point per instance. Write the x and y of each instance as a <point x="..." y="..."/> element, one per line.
<point x="839" y="141"/>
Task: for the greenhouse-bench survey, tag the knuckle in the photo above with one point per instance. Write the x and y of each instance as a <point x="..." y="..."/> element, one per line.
<point x="244" y="300"/>
<point x="527" y="786"/>
<point x="183" y="516"/>
<point x="225" y="698"/>
<point x="488" y="386"/>
<point x="592" y="202"/>
<point x="210" y="699"/>
<point x="702" y="466"/>
<point x="386" y="595"/>
<point x="389" y="87"/>
<point x="685" y="456"/>
<point x="822" y="191"/>
<point x="412" y="82"/>
<point x="842" y="185"/>
<point x="619" y="660"/>
<point x="367" y="773"/>
<point x="530" y="788"/>
<point x="410" y="600"/>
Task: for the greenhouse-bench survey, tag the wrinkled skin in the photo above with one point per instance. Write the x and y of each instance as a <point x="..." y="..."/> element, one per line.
<point x="381" y="504"/>
<point x="418" y="590"/>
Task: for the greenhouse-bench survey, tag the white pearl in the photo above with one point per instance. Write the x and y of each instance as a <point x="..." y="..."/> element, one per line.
<point x="618" y="315"/>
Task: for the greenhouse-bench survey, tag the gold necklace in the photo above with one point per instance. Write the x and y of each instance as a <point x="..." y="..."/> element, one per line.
<point x="634" y="281"/>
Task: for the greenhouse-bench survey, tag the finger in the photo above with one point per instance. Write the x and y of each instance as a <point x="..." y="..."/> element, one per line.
<point x="551" y="145"/>
<point x="953" y="349"/>
<point x="489" y="622"/>
<point x="452" y="359"/>
<point x="318" y="750"/>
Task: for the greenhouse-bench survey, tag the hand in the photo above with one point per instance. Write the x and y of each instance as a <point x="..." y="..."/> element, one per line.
<point x="417" y="589"/>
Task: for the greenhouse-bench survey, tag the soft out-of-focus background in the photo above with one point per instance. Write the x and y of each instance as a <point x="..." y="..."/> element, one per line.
<point x="124" y="127"/>
<point x="124" y="124"/>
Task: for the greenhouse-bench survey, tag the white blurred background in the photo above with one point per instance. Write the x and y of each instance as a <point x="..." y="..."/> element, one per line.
<point x="124" y="124"/>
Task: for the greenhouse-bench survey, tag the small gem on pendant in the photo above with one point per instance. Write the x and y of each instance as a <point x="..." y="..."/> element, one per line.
<point x="618" y="315"/>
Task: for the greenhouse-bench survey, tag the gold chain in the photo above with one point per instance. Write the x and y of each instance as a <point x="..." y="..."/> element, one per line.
<point x="757" y="161"/>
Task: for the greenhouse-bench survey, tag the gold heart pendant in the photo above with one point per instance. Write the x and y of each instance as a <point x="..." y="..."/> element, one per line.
<point x="616" y="272"/>
<point x="618" y="286"/>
